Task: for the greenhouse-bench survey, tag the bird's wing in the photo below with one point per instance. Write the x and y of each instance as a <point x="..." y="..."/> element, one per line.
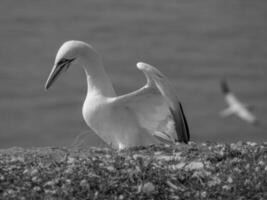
<point x="246" y="115"/>
<point x="157" y="108"/>
<point x="235" y="105"/>
<point x="226" y="112"/>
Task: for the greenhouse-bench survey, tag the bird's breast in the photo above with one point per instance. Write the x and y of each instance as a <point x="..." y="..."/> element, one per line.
<point x="94" y="110"/>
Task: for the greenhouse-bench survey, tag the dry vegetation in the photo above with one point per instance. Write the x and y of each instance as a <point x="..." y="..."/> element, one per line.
<point x="203" y="171"/>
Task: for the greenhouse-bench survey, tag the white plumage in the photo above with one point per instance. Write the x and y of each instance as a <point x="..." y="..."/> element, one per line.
<point x="147" y="116"/>
<point x="235" y="106"/>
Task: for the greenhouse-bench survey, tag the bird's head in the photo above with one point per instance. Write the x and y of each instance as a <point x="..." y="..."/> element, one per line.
<point x="69" y="52"/>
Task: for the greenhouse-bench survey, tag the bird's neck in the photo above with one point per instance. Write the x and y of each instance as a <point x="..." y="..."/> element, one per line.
<point x="98" y="81"/>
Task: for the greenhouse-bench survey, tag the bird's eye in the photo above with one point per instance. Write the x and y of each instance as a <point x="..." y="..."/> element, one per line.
<point x="62" y="61"/>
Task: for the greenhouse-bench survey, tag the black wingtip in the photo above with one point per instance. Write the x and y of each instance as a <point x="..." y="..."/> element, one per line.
<point x="224" y="86"/>
<point x="187" y="138"/>
<point x="182" y="129"/>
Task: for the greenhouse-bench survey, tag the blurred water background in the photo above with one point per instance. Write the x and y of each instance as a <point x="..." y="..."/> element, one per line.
<point x="194" y="43"/>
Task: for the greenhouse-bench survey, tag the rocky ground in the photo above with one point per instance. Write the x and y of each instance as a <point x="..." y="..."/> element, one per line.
<point x="194" y="171"/>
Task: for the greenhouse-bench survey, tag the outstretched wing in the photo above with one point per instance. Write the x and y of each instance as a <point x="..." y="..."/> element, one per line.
<point x="157" y="108"/>
<point x="226" y="112"/>
<point x="246" y="115"/>
<point x="236" y="106"/>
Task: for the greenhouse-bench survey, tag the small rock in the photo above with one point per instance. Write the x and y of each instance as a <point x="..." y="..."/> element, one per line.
<point x="171" y="185"/>
<point x="195" y="165"/>
<point x="34" y="172"/>
<point x="253" y="144"/>
<point x="69" y="170"/>
<point x="247" y="182"/>
<point x="237" y="170"/>
<point x="71" y="160"/>
<point x="235" y="160"/>
<point x="258" y="186"/>
<point x="9" y="193"/>
<point x="36" y="189"/>
<point x="84" y="183"/>
<point x="165" y="158"/>
<point x="261" y="163"/>
<point x="191" y="143"/>
<point x="230" y="180"/>
<point x="174" y="197"/>
<point x="49" y="183"/>
<point x="226" y="187"/>
<point x="201" y="173"/>
<point x="148" y="188"/>
<point x="247" y="166"/>
<point x="35" y="179"/>
<point x="204" y="144"/>
<point x="15" y="159"/>
<point x="111" y="168"/>
<point x="108" y="156"/>
<point x="203" y="194"/>
<point x="96" y="195"/>
<point x="2" y="178"/>
<point x="178" y="166"/>
<point x="215" y="181"/>
<point x="26" y="171"/>
<point x="156" y="153"/>
<point x="68" y="181"/>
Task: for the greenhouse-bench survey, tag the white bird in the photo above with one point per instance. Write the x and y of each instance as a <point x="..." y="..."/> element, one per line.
<point x="147" y="116"/>
<point x="235" y="106"/>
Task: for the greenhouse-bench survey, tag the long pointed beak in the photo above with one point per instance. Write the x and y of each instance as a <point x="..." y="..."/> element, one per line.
<point x="56" y="71"/>
<point x="54" y="74"/>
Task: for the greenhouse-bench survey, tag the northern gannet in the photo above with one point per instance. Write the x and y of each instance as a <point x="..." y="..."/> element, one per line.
<point x="149" y="115"/>
<point x="235" y="106"/>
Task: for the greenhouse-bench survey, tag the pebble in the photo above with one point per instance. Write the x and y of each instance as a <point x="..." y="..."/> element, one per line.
<point x="195" y="165"/>
<point x="226" y="187"/>
<point x="36" y="189"/>
<point x="34" y="172"/>
<point x="84" y="183"/>
<point x="148" y="188"/>
<point x="230" y="180"/>
<point x="71" y="160"/>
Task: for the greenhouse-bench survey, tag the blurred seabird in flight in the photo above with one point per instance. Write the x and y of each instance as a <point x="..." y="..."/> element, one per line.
<point x="149" y="115"/>
<point x="235" y="106"/>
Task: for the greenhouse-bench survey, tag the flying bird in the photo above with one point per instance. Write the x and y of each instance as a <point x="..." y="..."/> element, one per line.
<point x="150" y="115"/>
<point x="235" y="106"/>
